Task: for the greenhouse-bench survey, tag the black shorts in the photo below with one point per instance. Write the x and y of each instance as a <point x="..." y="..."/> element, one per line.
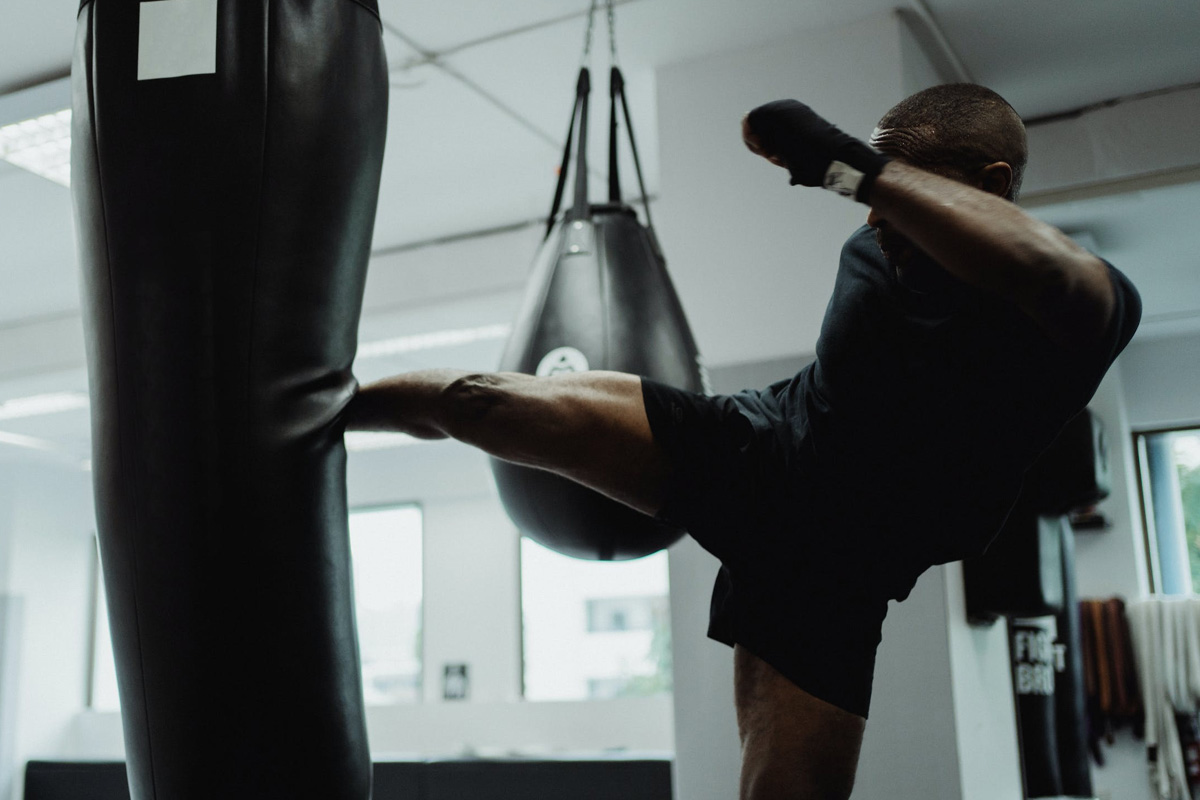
<point x="794" y="588"/>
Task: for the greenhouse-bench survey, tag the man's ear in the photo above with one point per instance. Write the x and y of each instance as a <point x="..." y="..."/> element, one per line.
<point x="995" y="179"/>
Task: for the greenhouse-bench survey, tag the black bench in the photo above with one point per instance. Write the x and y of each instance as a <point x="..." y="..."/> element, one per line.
<point x="471" y="779"/>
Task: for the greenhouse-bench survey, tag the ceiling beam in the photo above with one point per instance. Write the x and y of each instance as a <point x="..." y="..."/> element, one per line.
<point x="937" y="47"/>
<point x="1123" y="145"/>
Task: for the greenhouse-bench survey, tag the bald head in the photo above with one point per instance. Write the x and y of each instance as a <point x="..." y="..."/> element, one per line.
<point x="956" y="129"/>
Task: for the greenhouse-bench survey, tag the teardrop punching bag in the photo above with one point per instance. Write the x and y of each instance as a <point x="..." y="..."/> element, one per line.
<point x="225" y="170"/>
<point x="599" y="298"/>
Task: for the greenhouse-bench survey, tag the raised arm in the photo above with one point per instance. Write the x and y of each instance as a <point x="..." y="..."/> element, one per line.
<point x="989" y="242"/>
<point x="964" y="224"/>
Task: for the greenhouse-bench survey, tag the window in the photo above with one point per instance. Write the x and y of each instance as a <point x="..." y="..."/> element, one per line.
<point x="594" y="629"/>
<point x="385" y="545"/>
<point x="103" y="696"/>
<point x="1169" y="469"/>
<point x="386" y="551"/>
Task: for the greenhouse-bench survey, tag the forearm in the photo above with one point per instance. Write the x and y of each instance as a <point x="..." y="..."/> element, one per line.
<point x="407" y="403"/>
<point x="988" y="242"/>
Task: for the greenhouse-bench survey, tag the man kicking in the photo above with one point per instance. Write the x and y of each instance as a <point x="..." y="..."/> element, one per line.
<point x="962" y="335"/>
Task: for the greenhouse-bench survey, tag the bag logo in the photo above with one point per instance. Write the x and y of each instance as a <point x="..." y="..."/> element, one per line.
<point x="561" y="360"/>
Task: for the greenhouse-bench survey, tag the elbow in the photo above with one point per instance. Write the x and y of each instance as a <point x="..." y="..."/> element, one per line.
<point x="1076" y="302"/>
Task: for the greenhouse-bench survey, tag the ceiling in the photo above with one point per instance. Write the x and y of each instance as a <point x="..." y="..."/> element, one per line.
<point x="482" y="92"/>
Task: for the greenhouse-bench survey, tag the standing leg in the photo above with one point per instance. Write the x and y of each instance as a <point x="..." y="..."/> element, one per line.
<point x="794" y="746"/>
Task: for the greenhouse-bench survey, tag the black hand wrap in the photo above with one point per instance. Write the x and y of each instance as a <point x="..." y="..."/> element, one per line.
<point x="816" y="152"/>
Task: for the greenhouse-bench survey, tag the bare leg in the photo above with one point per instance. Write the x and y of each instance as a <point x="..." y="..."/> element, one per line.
<point x="794" y="746"/>
<point x="589" y="426"/>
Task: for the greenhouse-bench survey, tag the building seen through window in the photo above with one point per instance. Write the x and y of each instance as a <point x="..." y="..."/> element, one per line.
<point x="1169" y="469"/>
<point x="594" y="630"/>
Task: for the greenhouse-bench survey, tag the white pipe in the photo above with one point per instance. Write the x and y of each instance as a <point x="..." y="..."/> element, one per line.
<point x="961" y="73"/>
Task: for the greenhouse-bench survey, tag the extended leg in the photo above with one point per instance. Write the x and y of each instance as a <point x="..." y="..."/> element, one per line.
<point x="794" y="746"/>
<point x="590" y="426"/>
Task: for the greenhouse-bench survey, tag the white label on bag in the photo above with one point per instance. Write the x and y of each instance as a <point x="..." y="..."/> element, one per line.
<point x="560" y="360"/>
<point x="176" y="38"/>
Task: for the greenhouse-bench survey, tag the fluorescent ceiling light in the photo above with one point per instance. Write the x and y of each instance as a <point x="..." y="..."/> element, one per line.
<point x="35" y="129"/>
<point x="43" y="446"/>
<point x="28" y="442"/>
<point x="41" y="404"/>
<point x="41" y="145"/>
<point x="429" y="341"/>
<point x="364" y="441"/>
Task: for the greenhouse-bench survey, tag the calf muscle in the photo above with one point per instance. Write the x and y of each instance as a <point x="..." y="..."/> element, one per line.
<point x="590" y="427"/>
<point x="794" y="746"/>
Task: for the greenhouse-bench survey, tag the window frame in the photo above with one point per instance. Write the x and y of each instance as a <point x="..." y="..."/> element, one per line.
<point x="1138" y="439"/>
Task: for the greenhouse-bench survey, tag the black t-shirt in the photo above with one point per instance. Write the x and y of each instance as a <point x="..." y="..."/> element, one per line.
<point x="923" y="410"/>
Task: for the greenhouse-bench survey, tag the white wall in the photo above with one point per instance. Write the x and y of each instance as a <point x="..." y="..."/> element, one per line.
<point x="985" y="718"/>
<point x="11" y="628"/>
<point x="913" y="693"/>
<point x="753" y="258"/>
<point x="1162" y="380"/>
<point x="1113" y="562"/>
<point x="942" y="719"/>
<point x="474" y="542"/>
<point x="47" y="526"/>
<point x="705" y="725"/>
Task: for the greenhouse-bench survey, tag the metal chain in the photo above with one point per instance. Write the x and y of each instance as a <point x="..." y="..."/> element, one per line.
<point x="587" y="38"/>
<point x="612" y="32"/>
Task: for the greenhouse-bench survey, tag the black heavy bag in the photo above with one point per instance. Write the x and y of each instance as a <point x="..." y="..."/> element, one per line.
<point x="224" y="216"/>
<point x="599" y="298"/>
<point x="1070" y="695"/>
<point x="1021" y="572"/>
<point x="1073" y="472"/>
<point x="1036" y="660"/>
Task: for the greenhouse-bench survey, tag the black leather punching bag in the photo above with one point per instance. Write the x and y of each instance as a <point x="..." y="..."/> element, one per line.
<point x="1073" y="472"/>
<point x="225" y="168"/>
<point x="1074" y="760"/>
<point x="1036" y="659"/>
<point x="1021" y="573"/>
<point x="599" y="298"/>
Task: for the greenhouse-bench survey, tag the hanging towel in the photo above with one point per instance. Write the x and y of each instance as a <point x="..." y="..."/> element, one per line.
<point x="1167" y="652"/>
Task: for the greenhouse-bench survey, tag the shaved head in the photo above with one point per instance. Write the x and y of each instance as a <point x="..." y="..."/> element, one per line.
<point x="956" y="129"/>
